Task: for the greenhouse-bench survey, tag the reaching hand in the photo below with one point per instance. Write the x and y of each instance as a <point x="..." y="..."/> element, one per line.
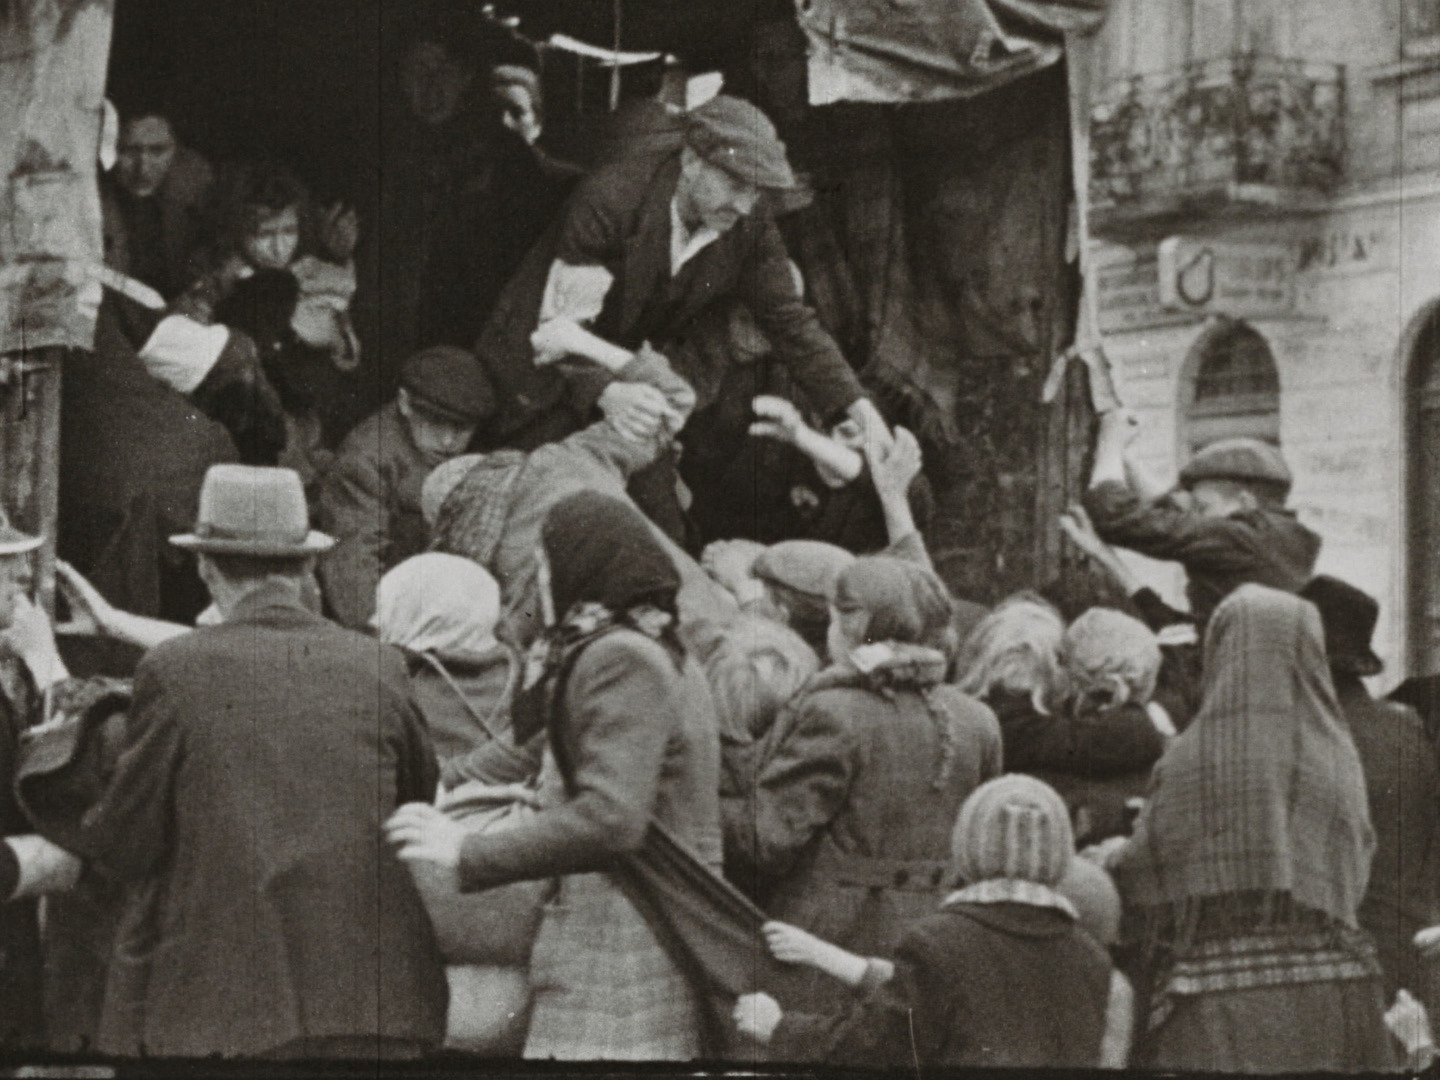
<point x="731" y="562"/>
<point x="1427" y="942"/>
<point x="637" y="410"/>
<point x="424" y="834"/>
<point x="893" y="468"/>
<point x="877" y="433"/>
<point x="1410" y="1023"/>
<point x="44" y="867"/>
<point x="91" y="614"/>
<point x="757" y="1016"/>
<point x="778" y="419"/>
<point x="1076" y="524"/>
<point x="340" y="231"/>
<point x="555" y="339"/>
<point x="791" y="945"/>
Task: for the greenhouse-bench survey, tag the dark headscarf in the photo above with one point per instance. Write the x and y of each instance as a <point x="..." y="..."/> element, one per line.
<point x="607" y="572"/>
<point x="601" y="551"/>
<point x="906" y="603"/>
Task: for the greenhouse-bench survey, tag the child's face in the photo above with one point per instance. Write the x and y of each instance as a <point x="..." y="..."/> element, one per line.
<point x="271" y="245"/>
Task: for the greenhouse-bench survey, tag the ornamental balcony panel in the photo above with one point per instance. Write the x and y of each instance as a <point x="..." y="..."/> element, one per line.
<point x="1236" y="132"/>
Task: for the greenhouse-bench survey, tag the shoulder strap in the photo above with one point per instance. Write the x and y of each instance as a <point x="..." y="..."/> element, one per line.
<point x="557" y="698"/>
<point x="512" y="674"/>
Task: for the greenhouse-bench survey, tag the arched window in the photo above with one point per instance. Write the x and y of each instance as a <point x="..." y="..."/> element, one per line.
<point x="1231" y="388"/>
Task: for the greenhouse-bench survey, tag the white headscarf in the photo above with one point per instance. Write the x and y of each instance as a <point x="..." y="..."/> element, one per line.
<point x="441" y="604"/>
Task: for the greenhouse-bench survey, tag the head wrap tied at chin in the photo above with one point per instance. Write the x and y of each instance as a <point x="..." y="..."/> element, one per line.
<point x="906" y="603"/>
<point x="603" y="551"/>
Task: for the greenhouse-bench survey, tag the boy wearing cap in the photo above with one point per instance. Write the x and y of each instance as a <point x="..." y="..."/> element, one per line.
<point x="1228" y="526"/>
<point x="658" y="247"/>
<point x="369" y="499"/>
<point x="258" y="761"/>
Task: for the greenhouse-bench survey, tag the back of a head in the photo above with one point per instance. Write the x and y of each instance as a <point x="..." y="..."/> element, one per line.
<point x="437" y="603"/>
<point x="1254" y="465"/>
<point x="904" y="602"/>
<point x="1110" y="658"/>
<point x="754" y="666"/>
<point x="1092" y="892"/>
<point x="1015" y="828"/>
<point x="602" y="550"/>
<point x="1016" y="648"/>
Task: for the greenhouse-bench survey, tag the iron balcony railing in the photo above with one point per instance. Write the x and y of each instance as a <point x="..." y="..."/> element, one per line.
<point x="1232" y="126"/>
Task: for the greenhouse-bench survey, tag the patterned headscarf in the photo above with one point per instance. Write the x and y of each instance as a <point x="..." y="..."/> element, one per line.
<point x="1264" y="791"/>
<point x="466" y="502"/>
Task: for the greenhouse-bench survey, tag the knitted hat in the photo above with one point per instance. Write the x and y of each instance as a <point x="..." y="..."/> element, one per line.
<point x="1013" y="827"/>
<point x="1247" y="461"/>
<point x="736" y="136"/>
<point x="449" y="381"/>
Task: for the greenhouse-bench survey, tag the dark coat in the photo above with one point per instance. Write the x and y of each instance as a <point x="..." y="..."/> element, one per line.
<point x="1261" y="547"/>
<point x="974" y="985"/>
<point x="849" y="828"/>
<point x="619" y="218"/>
<point x="370" y="502"/>
<point x="155" y="239"/>
<point x="1096" y="761"/>
<point x="1402" y="779"/>
<point x="260" y="760"/>
<point x="133" y="453"/>
<point x="21" y="1023"/>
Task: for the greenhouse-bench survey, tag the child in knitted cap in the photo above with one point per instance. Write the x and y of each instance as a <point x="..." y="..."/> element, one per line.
<point x="1003" y="974"/>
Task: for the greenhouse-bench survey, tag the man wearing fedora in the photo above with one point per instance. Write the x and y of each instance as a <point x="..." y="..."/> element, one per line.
<point x="1402" y="780"/>
<point x="369" y="500"/>
<point x="260" y="757"/>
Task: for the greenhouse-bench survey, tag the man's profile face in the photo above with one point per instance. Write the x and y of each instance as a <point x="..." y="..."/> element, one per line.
<point x="437" y="437"/>
<point x="144" y="154"/>
<point x="1220" y="498"/>
<point x="434" y="82"/>
<point x="517" y="111"/>
<point x="14" y="582"/>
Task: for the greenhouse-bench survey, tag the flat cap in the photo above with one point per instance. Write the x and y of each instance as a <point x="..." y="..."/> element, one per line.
<point x="1242" y="460"/>
<point x="736" y="136"/>
<point x="810" y="567"/>
<point x="449" y="381"/>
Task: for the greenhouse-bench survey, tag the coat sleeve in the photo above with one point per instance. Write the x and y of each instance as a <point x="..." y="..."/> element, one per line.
<point x="418" y="773"/>
<point x="901" y="1021"/>
<point x="800" y="789"/>
<point x="604" y="444"/>
<point x="352" y="509"/>
<point x="1164" y="530"/>
<point x="794" y="330"/>
<point x="130" y="831"/>
<point x="620" y="705"/>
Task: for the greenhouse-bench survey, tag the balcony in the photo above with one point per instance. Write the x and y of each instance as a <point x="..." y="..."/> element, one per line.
<point x="1241" y="134"/>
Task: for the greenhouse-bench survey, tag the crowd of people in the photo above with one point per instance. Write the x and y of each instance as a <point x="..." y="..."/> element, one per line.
<point x="474" y="724"/>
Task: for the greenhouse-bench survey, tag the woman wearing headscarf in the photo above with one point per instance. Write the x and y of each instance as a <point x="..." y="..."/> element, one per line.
<point x="441" y="611"/>
<point x="1249" y="862"/>
<point x="859" y="780"/>
<point x="634" y="739"/>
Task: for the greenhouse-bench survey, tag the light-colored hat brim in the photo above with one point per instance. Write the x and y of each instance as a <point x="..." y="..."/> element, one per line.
<point x="314" y="544"/>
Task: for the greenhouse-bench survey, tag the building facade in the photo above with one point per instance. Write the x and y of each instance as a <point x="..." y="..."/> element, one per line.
<point x="1265" y="215"/>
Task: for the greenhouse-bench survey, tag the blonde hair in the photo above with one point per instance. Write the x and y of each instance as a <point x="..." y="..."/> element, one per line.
<point x="754" y="666"/>
<point x="1016" y="648"/>
<point x="1111" y="658"/>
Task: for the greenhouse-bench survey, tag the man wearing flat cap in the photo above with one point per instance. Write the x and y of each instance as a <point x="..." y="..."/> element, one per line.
<point x="267" y="917"/>
<point x="369" y="499"/>
<point x="1227" y="525"/>
<point x="658" y="247"/>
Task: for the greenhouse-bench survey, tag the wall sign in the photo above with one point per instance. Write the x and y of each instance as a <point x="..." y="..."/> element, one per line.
<point x="1242" y="280"/>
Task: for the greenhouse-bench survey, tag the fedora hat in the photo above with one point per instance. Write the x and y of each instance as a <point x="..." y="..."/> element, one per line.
<point x="253" y="510"/>
<point x="1348" y="616"/>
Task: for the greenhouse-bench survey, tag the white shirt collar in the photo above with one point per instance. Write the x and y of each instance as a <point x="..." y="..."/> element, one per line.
<point x="685" y="245"/>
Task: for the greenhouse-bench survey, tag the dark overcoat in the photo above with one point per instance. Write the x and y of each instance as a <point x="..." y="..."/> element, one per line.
<point x="260" y="759"/>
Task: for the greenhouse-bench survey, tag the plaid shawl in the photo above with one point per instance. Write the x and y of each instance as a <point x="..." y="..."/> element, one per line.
<point x="1264" y="791"/>
<point x="471" y="520"/>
